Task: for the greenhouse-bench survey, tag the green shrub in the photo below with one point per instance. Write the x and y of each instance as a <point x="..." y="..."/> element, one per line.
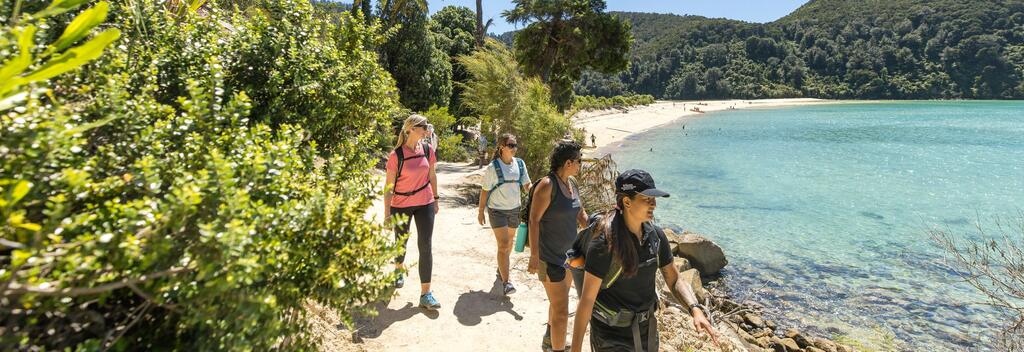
<point x="589" y="102"/>
<point x="508" y="101"/>
<point x="150" y="202"/>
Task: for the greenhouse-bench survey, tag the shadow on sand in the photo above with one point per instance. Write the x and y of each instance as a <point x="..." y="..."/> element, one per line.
<point x="472" y="306"/>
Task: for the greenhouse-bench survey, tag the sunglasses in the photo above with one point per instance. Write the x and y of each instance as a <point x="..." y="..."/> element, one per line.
<point x="512" y="145"/>
<point x="422" y="125"/>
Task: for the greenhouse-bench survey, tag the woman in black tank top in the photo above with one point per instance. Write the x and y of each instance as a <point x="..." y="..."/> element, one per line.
<point x="555" y="212"/>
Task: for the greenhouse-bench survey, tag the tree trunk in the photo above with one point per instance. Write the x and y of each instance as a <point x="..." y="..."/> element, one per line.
<point x="479" y="24"/>
<point x="551" y="48"/>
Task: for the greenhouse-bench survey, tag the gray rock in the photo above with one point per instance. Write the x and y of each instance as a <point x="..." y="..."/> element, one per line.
<point x="702" y="253"/>
<point x="754" y="320"/>
<point x="842" y="348"/>
<point x="776" y="344"/>
<point x="682" y="264"/>
<point x="824" y="344"/>
<point x="798" y="337"/>
<point x="692" y="278"/>
<point x="813" y="349"/>
<point x="790" y="345"/>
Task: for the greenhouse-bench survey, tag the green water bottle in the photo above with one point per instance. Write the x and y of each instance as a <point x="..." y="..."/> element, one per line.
<point x="521" y="234"/>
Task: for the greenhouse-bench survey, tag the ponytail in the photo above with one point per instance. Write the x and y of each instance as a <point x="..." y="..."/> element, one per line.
<point x="622" y="247"/>
<point x="410" y="122"/>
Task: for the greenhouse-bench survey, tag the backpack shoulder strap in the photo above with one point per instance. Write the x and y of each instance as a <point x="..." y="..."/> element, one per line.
<point x="497" y="170"/>
<point x="522" y="170"/>
<point x="400" y="157"/>
<point x="614" y="271"/>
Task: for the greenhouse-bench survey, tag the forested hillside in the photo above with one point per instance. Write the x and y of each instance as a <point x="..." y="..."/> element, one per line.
<point x="904" y="49"/>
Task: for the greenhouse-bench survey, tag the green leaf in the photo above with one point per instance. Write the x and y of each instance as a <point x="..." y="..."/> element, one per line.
<point x="58" y="7"/>
<point x="17" y="65"/>
<point x="75" y="57"/>
<point x="80" y="26"/>
<point x="195" y="5"/>
<point x="89" y="126"/>
<point x="19" y="191"/>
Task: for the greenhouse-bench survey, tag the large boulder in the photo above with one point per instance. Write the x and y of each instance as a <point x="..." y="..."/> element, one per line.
<point x="702" y="253"/>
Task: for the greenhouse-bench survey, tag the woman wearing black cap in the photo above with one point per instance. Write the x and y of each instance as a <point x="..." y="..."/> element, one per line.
<point x="555" y="212"/>
<point x="624" y="251"/>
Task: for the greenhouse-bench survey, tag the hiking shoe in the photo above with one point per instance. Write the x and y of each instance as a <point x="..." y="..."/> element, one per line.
<point x="429" y="302"/>
<point x="509" y="289"/>
<point x="400" y="281"/>
<point x="545" y="343"/>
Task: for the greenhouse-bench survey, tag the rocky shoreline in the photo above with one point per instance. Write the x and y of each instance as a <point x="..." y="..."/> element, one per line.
<point x="697" y="257"/>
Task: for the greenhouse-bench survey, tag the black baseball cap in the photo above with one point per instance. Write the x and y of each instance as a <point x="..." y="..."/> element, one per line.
<point x="637" y="181"/>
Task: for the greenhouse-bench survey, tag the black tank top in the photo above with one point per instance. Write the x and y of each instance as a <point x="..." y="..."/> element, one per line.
<point x="558" y="225"/>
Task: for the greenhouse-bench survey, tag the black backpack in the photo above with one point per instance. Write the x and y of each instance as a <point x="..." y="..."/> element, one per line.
<point x="400" y="156"/>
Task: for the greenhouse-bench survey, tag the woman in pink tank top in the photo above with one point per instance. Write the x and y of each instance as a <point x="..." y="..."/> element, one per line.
<point x="411" y="189"/>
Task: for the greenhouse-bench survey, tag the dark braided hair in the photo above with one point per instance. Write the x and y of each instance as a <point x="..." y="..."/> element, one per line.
<point x="564" y="151"/>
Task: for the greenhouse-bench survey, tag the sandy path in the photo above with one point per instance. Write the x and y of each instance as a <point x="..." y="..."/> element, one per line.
<point x="474" y="314"/>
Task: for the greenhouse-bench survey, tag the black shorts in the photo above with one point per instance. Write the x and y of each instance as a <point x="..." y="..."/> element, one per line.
<point x="556" y="273"/>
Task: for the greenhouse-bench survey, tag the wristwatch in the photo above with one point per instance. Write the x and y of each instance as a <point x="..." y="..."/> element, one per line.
<point x="702" y="308"/>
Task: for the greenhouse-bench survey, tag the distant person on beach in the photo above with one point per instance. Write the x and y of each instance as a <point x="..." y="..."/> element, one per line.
<point x="593" y="140"/>
<point x="413" y="192"/>
<point x="504" y="181"/>
<point x="555" y="213"/>
<point x="623" y="251"/>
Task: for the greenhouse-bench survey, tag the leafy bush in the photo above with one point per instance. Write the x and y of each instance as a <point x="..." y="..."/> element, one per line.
<point x="150" y="203"/>
<point x="589" y="102"/>
<point x="508" y="101"/>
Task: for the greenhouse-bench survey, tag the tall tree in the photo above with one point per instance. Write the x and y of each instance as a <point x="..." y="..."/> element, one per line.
<point x="564" y="37"/>
<point x="422" y="71"/>
<point x="454" y="30"/>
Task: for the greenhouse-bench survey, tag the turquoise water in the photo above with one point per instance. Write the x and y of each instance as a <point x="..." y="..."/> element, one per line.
<point x="823" y="210"/>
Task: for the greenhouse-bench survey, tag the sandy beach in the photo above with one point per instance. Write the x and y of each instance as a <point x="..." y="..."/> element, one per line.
<point x="613" y="125"/>
<point x="475" y="316"/>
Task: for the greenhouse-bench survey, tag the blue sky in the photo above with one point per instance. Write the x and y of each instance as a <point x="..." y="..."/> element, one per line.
<point x="744" y="10"/>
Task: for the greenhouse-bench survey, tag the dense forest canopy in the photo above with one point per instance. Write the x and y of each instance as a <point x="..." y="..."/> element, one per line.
<point x="903" y="49"/>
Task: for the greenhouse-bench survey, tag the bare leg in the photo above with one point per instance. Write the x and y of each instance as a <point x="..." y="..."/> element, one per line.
<point x="503" y="237"/>
<point x="558" y="310"/>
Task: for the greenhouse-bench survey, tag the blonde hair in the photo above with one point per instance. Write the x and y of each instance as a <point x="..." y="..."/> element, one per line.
<point x="410" y="122"/>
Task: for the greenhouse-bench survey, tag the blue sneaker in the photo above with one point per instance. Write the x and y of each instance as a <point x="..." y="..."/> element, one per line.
<point x="429" y="302"/>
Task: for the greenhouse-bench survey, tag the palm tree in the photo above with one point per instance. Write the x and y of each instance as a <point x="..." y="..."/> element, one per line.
<point x="406" y="8"/>
<point x="479" y="24"/>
